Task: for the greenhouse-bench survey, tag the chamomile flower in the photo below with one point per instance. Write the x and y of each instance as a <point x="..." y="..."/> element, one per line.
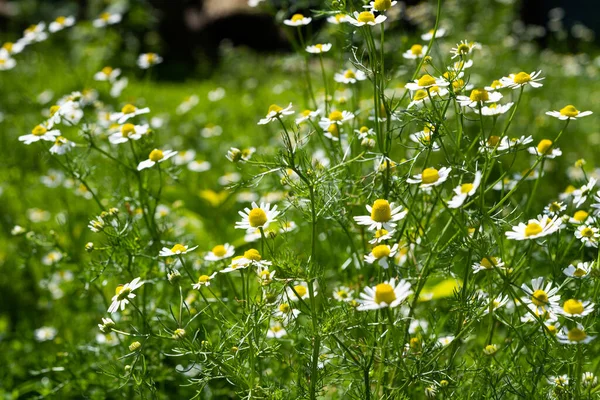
<point x="545" y="149"/>
<point x="335" y="117"/>
<point x="426" y="82"/>
<point x="581" y="270"/>
<point x="580" y="195"/>
<point x="123" y="294"/>
<point x="574" y="308"/>
<point x="383" y="215"/>
<point x="177" y="250"/>
<point x="431" y="177"/>
<point x="478" y="97"/>
<point x="554" y="208"/>
<point x="265" y="276"/>
<point x="386" y="294"/>
<point x="350" y="76"/>
<point x="455" y="71"/>
<point x="109" y="74"/>
<point x="441" y="32"/>
<point x="487" y="263"/>
<point x="128" y="111"/>
<point x="11" y="48"/>
<point x="445" y="340"/>
<point x="319" y="48"/>
<point x="35" y="33"/>
<point x="343" y="293"/>
<point x="588" y="235"/>
<point x="285" y="313"/>
<point x="494" y="109"/>
<point x="544" y="298"/>
<point x="298" y="291"/>
<point x="415" y="51"/>
<point x="276" y="330"/>
<point x="148" y="60"/>
<point x="118" y="86"/>
<point x="236" y="155"/>
<point x="418" y="98"/>
<point x="52" y="258"/>
<point x="575" y="335"/>
<point x="568" y="112"/>
<point x="220" y="252"/>
<point x="297" y="20"/>
<point x="45" y="333"/>
<point x="337" y="19"/>
<point x="589" y="380"/>
<point x="365" y="18"/>
<point x="275" y="112"/>
<point x="380" y="5"/>
<point x="561" y="381"/>
<point x="498" y="302"/>
<point x="381" y="235"/>
<point x="307" y="115"/>
<point x="61" y="23"/>
<point x="580" y="216"/>
<point x="521" y="79"/>
<point x="535" y="313"/>
<point x="381" y="254"/>
<point x="257" y="217"/>
<point x="364" y="132"/>
<point x="61" y="146"/>
<point x="106" y="19"/>
<point x="40" y="132"/>
<point x="465" y="190"/>
<point x="156" y="156"/>
<point x="203" y="280"/>
<point x="535" y="228"/>
<point x="127" y="132"/>
<point x="106" y="325"/>
<point x="463" y="49"/>
<point x="250" y="257"/>
<point x="6" y="61"/>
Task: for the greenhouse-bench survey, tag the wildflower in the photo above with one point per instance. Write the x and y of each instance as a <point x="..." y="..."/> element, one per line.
<point x="307" y="115"/>
<point x="426" y="82"/>
<point x="383" y="215"/>
<point x="463" y="48"/>
<point x="118" y="86"/>
<point x="106" y="325"/>
<point x="106" y="19"/>
<point x="109" y="74"/>
<point x="490" y="349"/>
<point x="568" y="112"/>
<point x="40" y="132"/>
<point x="494" y="109"/>
<point x="588" y="235"/>
<point x="319" y="48"/>
<point x="250" y="257"/>
<point x="430" y="392"/>
<point x="535" y="228"/>
<point x="148" y="60"/>
<point x="415" y="51"/>
<point x="455" y="71"/>
<point x="381" y="254"/>
<point x="487" y="264"/>
<point x="545" y="149"/>
<point x="45" y="333"/>
<point x="335" y="117"/>
<point x="561" y="381"/>
<point x="364" y="132"/>
<point x="440" y="32"/>
<point x="156" y="156"/>
<point x="97" y="225"/>
<point x="285" y="313"/>
<point x="298" y="291"/>
<point x="127" y="132"/>
<point x="265" y="276"/>
<point x="35" y="33"/>
<point x="10" y="48"/>
<point x="382" y="235"/>
<point x="68" y="112"/>
<point x="478" y="97"/>
<point x="237" y="155"/>
<point x="128" y="111"/>
<point x="220" y="252"/>
<point x="418" y="98"/>
<point x="187" y="104"/>
<point x="515" y="81"/>
<point x="6" y="61"/>
<point x="179" y="333"/>
<point x="257" y="217"/>
<point x="581" y="270"/>
<point x="174" y="277"/>
<point x="365" y="18"/>
<point x="580" y="217"/>
<point x="386" y="294"/>
<point x="52" y="258"/>
<point x="350" y="76"/>
<point x="17" y="230"/>
<point x="445" y="340"/>
<point x="275" y="112"/>
<point x="380" y="5"/>
<point x="544" y="298"/>
<point x="580" y="195"/>
<point x="276" y="330"/>
<point x="203" y="280"/>
<point x="554" y="208"/>
<point x="134" y="346"/>
<point x="500" y="301"/>
<point x="574" y="308"/>
<point x="61" y="23"/>
<point x="575" y="335"/>
<point x="430" y="177"/>
<point x="589" y="380"/>
<point x="337" y="19"/>
<point x="465" y="190"/>
<point x="61" y="146"/>
<point x="177" y="250"/>
<point x="297" y="20"/>
<point x="123" y="293"/>
<point x="343" y="293"/>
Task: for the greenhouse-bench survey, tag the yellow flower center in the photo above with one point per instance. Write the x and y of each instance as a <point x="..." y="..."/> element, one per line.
<point x="551" y="329"/>
<point x="366" y="17"/>
<point x="8" y="46"/>
<point x="297" y="17"/>
<point x="466" y="188"/>
<point x="54" y="109"/>
<point x="364" y="129"/>
<point x="380" y="232"/>
<point x="105" y="16"/>
<point x="384" y="293"/>
<point x="539" y="298"/>
<point x="463" y="48"/>
<point x="156" y="155"/>
<point x="569" y="111"/>
<point x="336" y="116"/>
<point x="339" y="17"/>
<point x="544" y="146"/>
<point x="426" y="80"/>
<point x="381" y="251"/>
<point x="587" y="232"/>
<point x="555" y="207"/>
<point x="416" y="49"/>
<point x="342" y="293"/>
<point x="127" y="130"/>
<point x="430" y="175"/>
<point x="39" y="130"/>
<point x="579" y="272"/>
<point x="420" y="95"/>
<point x="61" y="20"/>
<point x="573" y="306"/>
<point x="496" y="84"/>
<point x="580" y="215"/>
<point x="532" y="229"/>
<point x="301" y="290"/>
<point x="382" y="5"/>
<point x="522" y="77"/>
<point x="203" y="279"/>
<point x="122" y="292"/>
<point x="333" y="129"/>
<point x="274" y="108"/>
<point x="151" y="57"/>
<point x="60" y="141"/>
<point x="381" y="211"/>
<point x="219" y="250"/>
<point x="257" y="217"/>
<point x="107" y="70"/>
<point x="128" y="109"/>
<point x="252" y="254"/>
<point x="284" y="308"/>
<point x="479" y="95"/>
<point x="349" y="74"/>
<point x="178" y="248"/>
<point x="576" y="335"/>
<point x="489" y="262"/>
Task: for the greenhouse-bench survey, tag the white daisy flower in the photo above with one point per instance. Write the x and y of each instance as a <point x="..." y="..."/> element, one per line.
<point x="365" y="18"/>
<point x="148" y="60"/>
<point x="545" y="298"/>
<point x="319" y="48"/>
<point x="381" y="254"/>
<point x="123" y="294"/>
<point x="265" y="276"/>
<point x="177" y="250"/>
<point x="285" y="313"/>
<point x="381" y="235"/>
<point x="61" y="146"/>
<point x="109" y="74"/>
<point x="257" y="217"/>
<point x="383" y="215"/>
<point x="52" y="258"/>
<point x="118" y="86"/>
<point x="535" y="228"/>
<point x="580" y="195"/>
<point x="431" y="177"/>
<point x="441" y="32"/>
<point x="425" y="82"/>
<point x="365" y="132"/>
<point x="297" y="20"/>
<point x="445" y="340"/>
<point x="574" y="308"/>
<point x="276" y="330"/>
<point x="106" y="325"/>
<point x="61" y="23"/>
<point x="464" y="48"/>
<point x="589" y="380"/>
<point x="380" y="5"/>
<point x="499" y="301"/>
<point x="126" y="132"/>
<point x="12" y="48"/>
<point x="535" y="313"/>
<point x="554" y="208"/>
<point x="307" y="115"/>
<point x="38" y="133"/>
<point x="458" y="67"/>
<point x="478" y="97"/>
<point x="298" y="291"/>
<point x="574" y="335"/>
<point x="220" y="252"/>
<point x="203" y="280"/>
<point x="128" y="111"/>
<point x="493" y="109"/>
<point x="35" y="33"/>
<point x="343" y="293"/>
<point x="561" y="381"/>
<point x="588" y="235"/>
<point x="568" y="112"/>
<point x="350" y="76"/>
<point x="250" y="257"/>
<point x="544" y="149"/>
<point x="515" y="81"/>
<point x="106" y="19"/>
<point x="580" y="217"/>
<point x="581" y="270"/>
<point x="335" y="117"/>
<point x="275" y="112"/>
<point x="415" y="51"/>
<point x="6" y="61"/>
<point x="337" y="19"/>
<point x="386" y="294"/>
<point x="45" y="333"/>
<point x="487" y="263"/>
<point x="187" y="104"/>
<point x="465" y="190"/>
<point x="156" y="156"/>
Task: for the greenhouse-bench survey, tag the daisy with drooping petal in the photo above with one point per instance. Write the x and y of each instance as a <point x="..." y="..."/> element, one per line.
<point x="285" y="313"/>
<point x="250" y="257"/>
<point x="343" y="293"/>
<point x="128" y="111"/>
<point x="156" y="156"/>
<point x="554" y="208"/>
<point x="386" y="294"/>
<point x="236" y="155"/>
<point x="487" y="264"/>
<point x="588" y="235"/>
<point x="478" y="97"/>
<point x="426" y="82"/>
<point x="515" y="81"/>
<point x="545" y="298"/>
<point x="350" y="76"/>
<point x="276" y="330"/>
<point x="123" y="294"/>
<point x="575" y="335"/>
<point x="61" y="146"/>
<point x="383" y="215"/>
<point x="431" y="177"/>
<point x="465" y="190"/>
<point x="275" y="112"/>
<point x="40" y="132"/>
<point x="257" y="217"/>
<point x="463" y="48"/>
<point x="148" y="60"/>
<point x="335" y="117"/>
<point x="297" y="20"/>
<point x="545" y="149"/>
<point x="381" y="254"/>
<point x="574" y="308"/>
<point x="109" y="74"/>
<point x="535" y="228"/>
<point x="307" y="115"/>
<point x="580" y="195"/>
<point x="380" y="5"/>
<point x="127" y="132"/>
<point x="203" y="280"/>
<point x="494" y="109"/>
<point x="106" y="19"/>
<point x="441" y="32"/>
<point x="415" y="51"/>
<point x="365" y="18"/>
<point x="298" y="291"/>
<point x="220" y="252"/>
<point x="337" y="19"/>
<point x="61" y="23"/>
<point x="547" y="315"/>
<point x="319" y="48"/>
<point x="35" y="33"/>
<point x="568" y="112"/>
<point x="381" y="235"/>
<point x="581" y="270"/>
<point x="177" y="250"/>
<point x="497" y="302"/>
